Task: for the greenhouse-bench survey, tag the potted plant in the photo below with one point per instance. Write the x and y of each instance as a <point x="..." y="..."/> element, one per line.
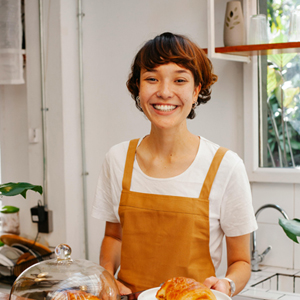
<point x="10" y="214"/>
<point x="291" y="228"/>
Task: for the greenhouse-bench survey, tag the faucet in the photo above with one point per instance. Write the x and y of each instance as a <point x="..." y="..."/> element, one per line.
<point x="258" y="258"/>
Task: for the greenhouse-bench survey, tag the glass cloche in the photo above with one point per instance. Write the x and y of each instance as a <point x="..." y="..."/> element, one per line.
<point x="65" y="279"/>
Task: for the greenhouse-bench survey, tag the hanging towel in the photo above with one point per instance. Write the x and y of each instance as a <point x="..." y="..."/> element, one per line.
<point x="11" y="59"/>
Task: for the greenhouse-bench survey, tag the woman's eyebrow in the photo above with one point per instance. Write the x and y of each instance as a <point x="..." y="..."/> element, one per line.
<point x="182" y="71"/>
<point x="150" y="70"/>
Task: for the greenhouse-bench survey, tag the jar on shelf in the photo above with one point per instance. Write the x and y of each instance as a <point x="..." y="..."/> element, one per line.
<point x="234" y="29"/>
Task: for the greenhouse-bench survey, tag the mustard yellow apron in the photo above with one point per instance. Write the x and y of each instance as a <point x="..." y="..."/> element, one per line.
<point x="164" y="236"/>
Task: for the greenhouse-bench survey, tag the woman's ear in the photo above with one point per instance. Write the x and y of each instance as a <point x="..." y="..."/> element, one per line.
<point x="197" y="90"/>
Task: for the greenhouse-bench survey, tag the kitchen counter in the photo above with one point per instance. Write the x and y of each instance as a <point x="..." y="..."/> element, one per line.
<point x="260" y="291"/>
<point x="265" y="284"/>
<point x="4" y="296"/>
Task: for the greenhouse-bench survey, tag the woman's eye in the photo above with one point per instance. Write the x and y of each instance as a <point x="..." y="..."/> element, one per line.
<point x="151" y="79"/>
<point x="180" y="80"/>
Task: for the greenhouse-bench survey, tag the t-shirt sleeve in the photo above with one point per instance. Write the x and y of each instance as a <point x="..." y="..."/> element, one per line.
<point x="103" y="206"/>
<point x="237" y="215"/>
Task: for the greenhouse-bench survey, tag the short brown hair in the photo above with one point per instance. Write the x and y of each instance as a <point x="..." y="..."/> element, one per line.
<point x="173" y="48"/>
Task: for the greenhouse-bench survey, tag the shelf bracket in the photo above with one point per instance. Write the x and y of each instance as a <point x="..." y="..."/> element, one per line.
<point x="211" y="38"/>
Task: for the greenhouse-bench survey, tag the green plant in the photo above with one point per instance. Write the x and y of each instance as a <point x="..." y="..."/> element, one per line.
<point x="283" y="92"/>
<point x="291" y="228"/>
<point x="20" y="188"/>
<point x="12" y="189"/>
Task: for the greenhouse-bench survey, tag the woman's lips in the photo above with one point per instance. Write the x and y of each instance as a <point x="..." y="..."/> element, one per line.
<point x="164" y="107"/>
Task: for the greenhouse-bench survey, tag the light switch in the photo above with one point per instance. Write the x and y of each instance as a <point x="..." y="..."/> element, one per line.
<point x="33" y="135"/>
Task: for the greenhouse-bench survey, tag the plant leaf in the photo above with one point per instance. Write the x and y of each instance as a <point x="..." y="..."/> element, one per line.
<point x="289" y="95"/>
<point x="9" y="209"/>
<point x="291" y="228"/>
<point x="281" y="60"/>
<point x="13" y="189"/>
<point x="274" y="80"/>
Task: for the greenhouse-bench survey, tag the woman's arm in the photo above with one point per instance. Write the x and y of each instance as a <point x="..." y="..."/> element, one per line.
<point x="110" y="254"/>
<point x="239" y="265"/>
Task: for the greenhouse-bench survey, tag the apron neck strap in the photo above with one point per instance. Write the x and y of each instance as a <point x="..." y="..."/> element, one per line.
<point x="209" y="179"/>
<point x="212" y="172"/>
<point x="126" y="183"/>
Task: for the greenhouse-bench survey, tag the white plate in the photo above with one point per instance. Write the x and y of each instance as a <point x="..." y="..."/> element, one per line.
<point x="11" y="253"/>
<point x="6" y="265"/>
<point x="150" y="295"/>
<point x="24" y="249"/>
<point x="5" y="261"/>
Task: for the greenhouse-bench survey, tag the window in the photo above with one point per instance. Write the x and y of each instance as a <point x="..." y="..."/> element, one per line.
<point x="279" y="92"/>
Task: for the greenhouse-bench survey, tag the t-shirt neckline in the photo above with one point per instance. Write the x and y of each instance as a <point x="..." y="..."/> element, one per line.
<point x="136" y="165"/>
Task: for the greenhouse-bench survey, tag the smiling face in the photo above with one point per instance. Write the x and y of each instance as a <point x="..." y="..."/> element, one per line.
<point x="167" y="94"/>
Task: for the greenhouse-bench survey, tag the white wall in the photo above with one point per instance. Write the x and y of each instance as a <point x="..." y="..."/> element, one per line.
<point x="284" y="253"/>
<point x="112" y="33"/>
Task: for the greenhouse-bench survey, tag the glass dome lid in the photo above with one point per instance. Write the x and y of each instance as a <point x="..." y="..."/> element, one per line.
<point x="65" y="279"/>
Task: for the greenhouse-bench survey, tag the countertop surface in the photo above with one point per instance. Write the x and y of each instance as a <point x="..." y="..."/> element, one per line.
<point x="249" y="292"/>
<point x="4" y="296"/>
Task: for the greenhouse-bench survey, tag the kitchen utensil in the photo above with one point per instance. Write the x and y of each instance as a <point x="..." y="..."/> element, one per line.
<point x="294" y="30"/>
<point x="63" y="278"/>
<point x="258" y="32"/>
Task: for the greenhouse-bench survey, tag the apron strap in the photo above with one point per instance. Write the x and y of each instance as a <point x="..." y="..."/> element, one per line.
<point x="126" y="183"/>
<point x="212" y="172"/>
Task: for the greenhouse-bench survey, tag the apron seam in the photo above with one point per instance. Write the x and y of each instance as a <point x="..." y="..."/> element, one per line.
<point x="168" y="211"/>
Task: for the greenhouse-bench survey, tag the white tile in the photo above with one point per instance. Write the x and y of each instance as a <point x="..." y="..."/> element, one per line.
<point x="257" y="277"/>
<point x="261" y="294"/>
<point x="281" y="194"/>
<point x="275" y="270"/>
<point x="281" y="254"/>
<point x="297" y="285"/>
<point x="290" y="297"/>
<point x="285" y="283"/>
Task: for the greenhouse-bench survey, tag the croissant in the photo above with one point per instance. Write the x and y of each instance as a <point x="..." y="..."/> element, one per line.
<point x="182" y="288"/>
<point x="74" y="295"/>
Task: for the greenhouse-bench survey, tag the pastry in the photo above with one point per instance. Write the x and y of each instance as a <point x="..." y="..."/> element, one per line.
<point x="182" y="288"/>
<point x="74" y="295"/>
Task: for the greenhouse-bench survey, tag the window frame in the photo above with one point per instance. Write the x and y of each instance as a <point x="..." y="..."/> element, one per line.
<point x="251" y="134"/>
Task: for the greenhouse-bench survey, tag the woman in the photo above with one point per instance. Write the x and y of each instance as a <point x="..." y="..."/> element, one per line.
<point x="169" y="198"/>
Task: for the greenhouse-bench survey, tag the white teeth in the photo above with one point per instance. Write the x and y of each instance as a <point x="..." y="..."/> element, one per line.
<point x="164" y="107"/>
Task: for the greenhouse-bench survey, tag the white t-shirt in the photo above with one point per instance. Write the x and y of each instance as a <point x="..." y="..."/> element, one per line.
<point x="230" y="202"/>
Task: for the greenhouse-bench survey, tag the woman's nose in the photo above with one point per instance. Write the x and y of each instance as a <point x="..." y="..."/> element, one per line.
<point x="164" y="90"/>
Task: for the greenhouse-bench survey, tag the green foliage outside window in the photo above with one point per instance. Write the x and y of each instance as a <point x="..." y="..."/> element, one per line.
<point x="283" y="91"/>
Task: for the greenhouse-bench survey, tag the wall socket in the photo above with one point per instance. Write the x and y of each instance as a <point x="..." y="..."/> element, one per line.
<point x="43" y="217"/>
<point x="33" y="135"/>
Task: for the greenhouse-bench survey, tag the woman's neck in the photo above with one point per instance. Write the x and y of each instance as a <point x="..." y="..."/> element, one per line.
<point x="166" y="155"/>
<point x="171" y="142"/>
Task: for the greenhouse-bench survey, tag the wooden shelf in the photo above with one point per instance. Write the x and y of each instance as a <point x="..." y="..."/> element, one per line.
<point x="261" y="49"/>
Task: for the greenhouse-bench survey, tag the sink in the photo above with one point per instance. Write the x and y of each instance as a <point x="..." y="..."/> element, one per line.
<point x="289" y="283"/>
<point x="273" y="283"/>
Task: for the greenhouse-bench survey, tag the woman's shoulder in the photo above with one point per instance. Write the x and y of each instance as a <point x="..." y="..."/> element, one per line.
<point x="118" y="152"/>
<point x="210" y="148"/>
<point x="117" y="148"/>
